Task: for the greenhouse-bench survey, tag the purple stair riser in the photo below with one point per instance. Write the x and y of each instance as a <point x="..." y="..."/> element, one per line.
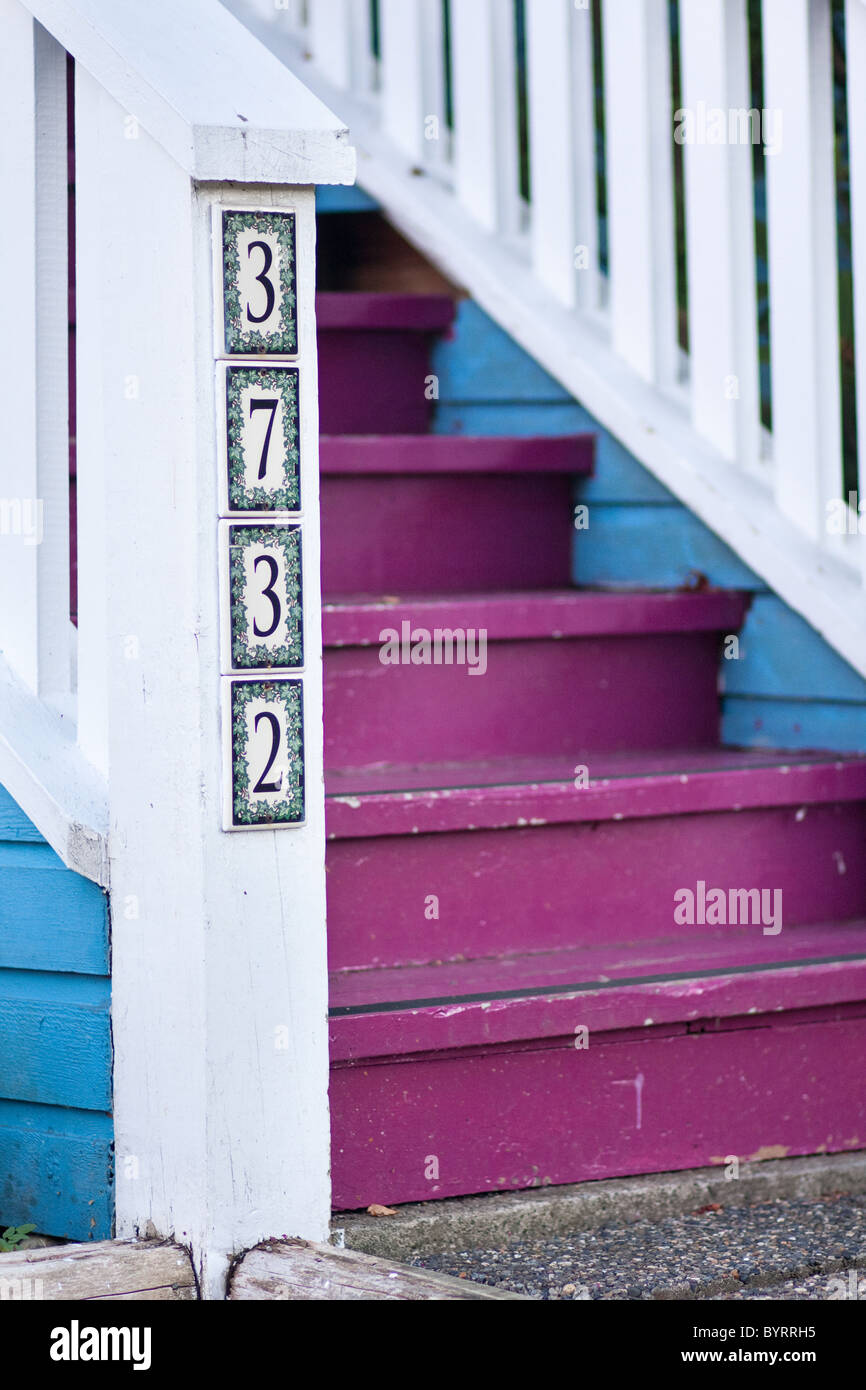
<point x="535" y="697"/>
<point x="408" y="313"/>
<point x="512" y="1118"/>
<point x="553" y="886"/>
<point x="374" y="359"/>
<point x="373" y="382"/>
<point x="384" y="534"/>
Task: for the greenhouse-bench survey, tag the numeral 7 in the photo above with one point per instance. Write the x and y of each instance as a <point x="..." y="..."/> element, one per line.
<point x="272" y="407"/>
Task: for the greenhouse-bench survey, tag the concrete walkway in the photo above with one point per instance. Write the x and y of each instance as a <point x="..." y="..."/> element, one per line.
<point x="791" y="1229"/>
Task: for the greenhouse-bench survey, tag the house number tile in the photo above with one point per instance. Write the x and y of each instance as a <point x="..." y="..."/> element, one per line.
<point x="260" y="471"/>
<point x="264" y="720"/>
<point x="258" y="260"/>
<point x="263" y="596"/>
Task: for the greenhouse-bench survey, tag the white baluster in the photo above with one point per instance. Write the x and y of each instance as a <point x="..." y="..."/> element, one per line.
<point x="562" y="141"/>
<point x="640" y="203"/>
<point x="52" y="363"/>
<point x="855" y="41"/>
<point x="801" y="225"/>
<point x="720" y="237"/>
<point x="402" y="81"/>
<point x="19" y="481"/>
<point x="437" y="144"/>
<point x="485" y="119"/>
<point x="337" y="31"/>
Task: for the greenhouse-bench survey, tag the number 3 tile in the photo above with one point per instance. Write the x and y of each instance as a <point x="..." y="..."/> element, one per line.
<point x="262" y="624"/>
<point x="258" y="263"/>
<point x="260" y="470"/>
<point x="264" y="729"/>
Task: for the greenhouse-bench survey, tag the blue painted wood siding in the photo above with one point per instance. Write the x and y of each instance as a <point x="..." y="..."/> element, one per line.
<point x="788" y="688"/>
<point x="56" y="1136"/>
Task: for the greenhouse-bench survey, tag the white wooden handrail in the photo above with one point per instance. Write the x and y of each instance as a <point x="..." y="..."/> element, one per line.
<point x="609" y="333"/>
<point x="202" y="86"/>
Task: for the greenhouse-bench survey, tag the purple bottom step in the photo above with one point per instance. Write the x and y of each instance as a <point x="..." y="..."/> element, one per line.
<point x="644" y="1100"/>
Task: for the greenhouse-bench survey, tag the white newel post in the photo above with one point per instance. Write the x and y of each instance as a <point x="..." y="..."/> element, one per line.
<point x="218" y="938"/>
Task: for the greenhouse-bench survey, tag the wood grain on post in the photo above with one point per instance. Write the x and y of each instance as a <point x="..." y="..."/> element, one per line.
<point x="302" y="1270"/>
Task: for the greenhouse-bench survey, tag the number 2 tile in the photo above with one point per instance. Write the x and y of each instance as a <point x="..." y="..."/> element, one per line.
<point x="259" y="290"/>
<point x="264" y="722"/>
<point x="262" y="596"/>
<point x="261" y="464"/>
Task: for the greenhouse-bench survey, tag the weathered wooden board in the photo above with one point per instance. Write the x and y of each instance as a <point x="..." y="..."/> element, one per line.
<point x="14" y="825"/>
<point x="50" y="917"/>
<point x="304" y="1271"/>
<point x="57" y="1169"/>
<point x="54" y="1039"/>
<point x="782" y="657"/>
<point x="769" y="722"/>
<point x="661" y="548"/>
<point x="107" y="1269"/>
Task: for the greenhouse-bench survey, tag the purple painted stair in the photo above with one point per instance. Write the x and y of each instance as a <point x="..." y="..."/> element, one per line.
<point x="570" y="936"/>
<point x="391" y="336"/>
<point x="401" y="512"/>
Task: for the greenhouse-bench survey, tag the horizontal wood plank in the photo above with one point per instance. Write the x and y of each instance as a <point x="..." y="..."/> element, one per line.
<point x="14" y="825"/>
<point x="298" y="1270"/>
<point x="765" y="722"/>
<point x="108" y="1269"/>
<point x="664" y="547"/>
<point x="57" y="1168"/>
<point x="50" y="917"/>
<point x="55" y="1039"/>
<point x="782" y="656"/>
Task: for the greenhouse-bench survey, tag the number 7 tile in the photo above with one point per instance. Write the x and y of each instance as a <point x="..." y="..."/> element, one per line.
<point x="260" y="466"/>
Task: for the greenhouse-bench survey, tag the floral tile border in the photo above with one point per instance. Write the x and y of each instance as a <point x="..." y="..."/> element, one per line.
<point x="245" y="811"/>
<point x="286" y="498"/>
<point x="257" y="656"/>
<point x="240" y="339"/>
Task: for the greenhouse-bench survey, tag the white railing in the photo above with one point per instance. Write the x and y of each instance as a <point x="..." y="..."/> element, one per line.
<point x="607" y="325"/>
<point x="111" y="736"/>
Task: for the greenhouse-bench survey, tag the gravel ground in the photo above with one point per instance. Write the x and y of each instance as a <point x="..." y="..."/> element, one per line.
<point x="782" y="1249"/>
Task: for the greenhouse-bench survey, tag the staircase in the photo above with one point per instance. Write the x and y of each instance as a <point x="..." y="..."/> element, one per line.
<point x="518" y="996"/>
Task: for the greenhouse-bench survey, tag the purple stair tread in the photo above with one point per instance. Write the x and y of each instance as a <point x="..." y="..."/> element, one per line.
<point x="495" y="772"/>
<point x="436" y="798"/>
<point x="357" y="620"/>
<point x="393" y="1011"/>
<point x="585" y="967"/>
<point x="418" y="531"/>
<point x="373" y="455"/>
<point x="423" y="313"/>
